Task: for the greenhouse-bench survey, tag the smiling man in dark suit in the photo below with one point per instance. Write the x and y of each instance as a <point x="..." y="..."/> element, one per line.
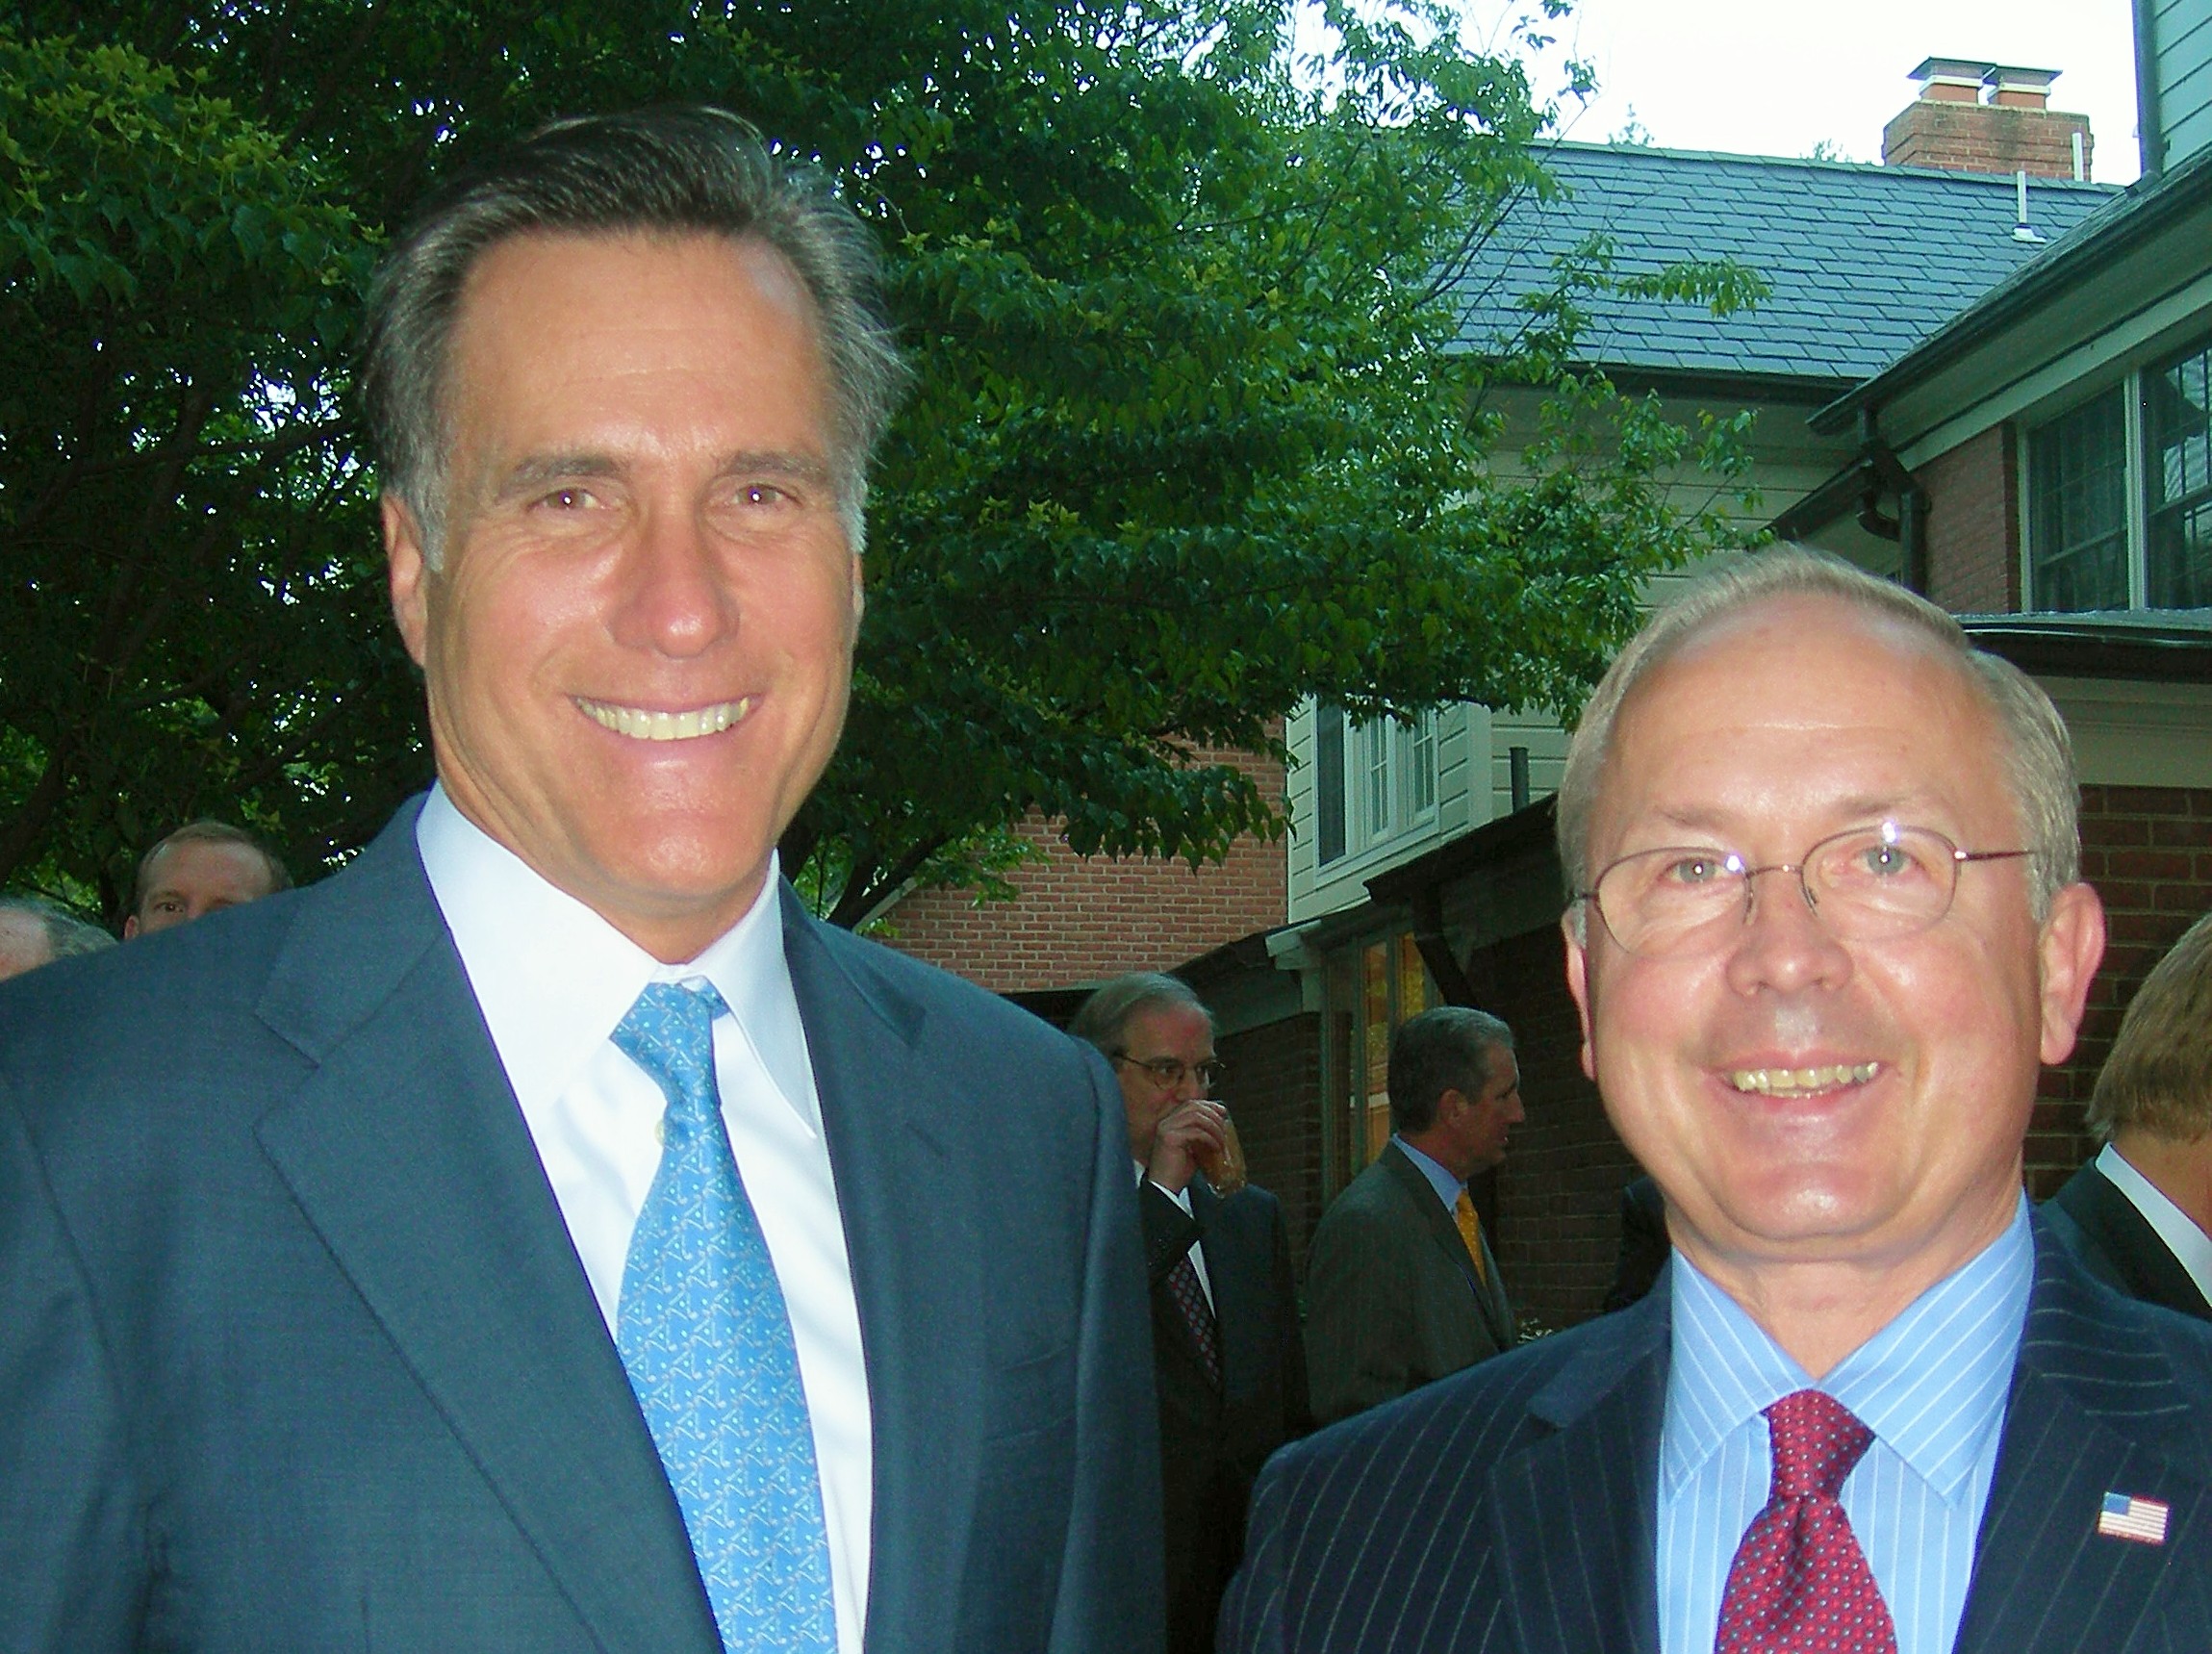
<point x="545" y="1235"/>
<point x="1226" y="1352"/>
<point x="1827" y="925"/>
<point x="2140" y="1213"/>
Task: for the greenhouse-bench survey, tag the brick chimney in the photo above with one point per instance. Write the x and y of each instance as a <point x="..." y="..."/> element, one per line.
<point x="1973" y="116"/>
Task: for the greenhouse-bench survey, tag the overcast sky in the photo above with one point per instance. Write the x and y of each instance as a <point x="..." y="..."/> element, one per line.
<point x="1777" y="77"/>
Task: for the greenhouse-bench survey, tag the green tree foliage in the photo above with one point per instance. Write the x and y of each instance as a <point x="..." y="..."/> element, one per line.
<point x="1196" y="431"/>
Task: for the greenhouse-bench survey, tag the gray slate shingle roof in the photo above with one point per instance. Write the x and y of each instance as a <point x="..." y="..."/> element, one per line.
<point x="1863" y="261"/>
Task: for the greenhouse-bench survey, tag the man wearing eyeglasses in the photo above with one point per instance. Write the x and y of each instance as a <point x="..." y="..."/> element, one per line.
<point x="1827" y="926"/>
<point x="1227" y="1358"/>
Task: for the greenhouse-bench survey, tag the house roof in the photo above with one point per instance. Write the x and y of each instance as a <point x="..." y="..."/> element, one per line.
<point x="1863" y="261"/>
<point x="2127" y="223"/>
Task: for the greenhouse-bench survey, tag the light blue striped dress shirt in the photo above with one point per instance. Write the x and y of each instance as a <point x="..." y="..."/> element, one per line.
<point x="1931" y="1385"/>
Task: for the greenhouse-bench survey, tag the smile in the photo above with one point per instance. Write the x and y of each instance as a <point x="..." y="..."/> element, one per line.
<point x="1801" y="1081"/>
<point x="640" y="724"/>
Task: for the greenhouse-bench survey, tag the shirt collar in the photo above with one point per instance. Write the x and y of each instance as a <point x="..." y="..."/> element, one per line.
<point x="2190" y="1245"/>
<point x="553" y="977"/>
<point x="1931" y="1384"/>
<point x="1448" y="1187"/>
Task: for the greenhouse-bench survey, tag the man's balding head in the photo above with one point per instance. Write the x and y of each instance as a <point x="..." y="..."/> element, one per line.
<point x="35" y="931"/>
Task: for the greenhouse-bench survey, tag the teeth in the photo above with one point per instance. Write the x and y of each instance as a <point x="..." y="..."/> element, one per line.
<point x="640" y="724"/>
<point x="1801" y="1081"/>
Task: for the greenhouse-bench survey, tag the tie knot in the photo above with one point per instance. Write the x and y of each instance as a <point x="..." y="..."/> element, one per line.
<point x="669" y="1033"/>
<point x="1817" y="1442"/>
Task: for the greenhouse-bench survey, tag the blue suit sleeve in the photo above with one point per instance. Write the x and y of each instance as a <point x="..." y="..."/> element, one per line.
<point x="1112" y="1593"/>
<point x="73" y="1550"/>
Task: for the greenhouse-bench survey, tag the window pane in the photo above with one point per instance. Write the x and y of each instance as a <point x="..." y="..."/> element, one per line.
<point x="1420" y="766"/>
<point x="1328" y="781"/>
<point x="2179" y="482"/>
<point x="2077" y="507"/>
<point x="1377" y="736"/>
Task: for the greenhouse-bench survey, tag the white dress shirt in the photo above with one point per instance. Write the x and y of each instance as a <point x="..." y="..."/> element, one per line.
<point x="553" y="979"/>
<point x="2188" y="1243"/>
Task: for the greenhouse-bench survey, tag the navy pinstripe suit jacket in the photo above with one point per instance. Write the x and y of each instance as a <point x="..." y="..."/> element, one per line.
<point x="1514" y="1506"/>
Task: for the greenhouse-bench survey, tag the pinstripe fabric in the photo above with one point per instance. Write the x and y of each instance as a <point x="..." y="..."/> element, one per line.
<point x="1930" y="1386"/>
<point x="1511" y="1508"/>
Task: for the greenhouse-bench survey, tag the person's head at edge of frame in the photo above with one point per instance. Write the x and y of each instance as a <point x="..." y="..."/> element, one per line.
<point x="1157" y="1035"/>
<point x="35" y="931"/>
<point x="1455" y="1083"/>
<point x="623" y="380"/>
<point x="1828" y="926"/>
<point x="2154" y="1096"/>
<point x="202" y="868"/>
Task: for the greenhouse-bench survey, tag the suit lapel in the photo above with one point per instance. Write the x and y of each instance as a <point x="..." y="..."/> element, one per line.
<point x="1574" y="1516"/>
<point x="919" y="1282"/>
<point x="1444" y="1230"/>
<point x="2139" y="1250"/>
<point x="2095" y="1408"/>
<point x="408" y="1155"/>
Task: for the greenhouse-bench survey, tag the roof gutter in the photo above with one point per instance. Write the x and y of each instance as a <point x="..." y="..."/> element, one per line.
<point x="2134" y="218"/>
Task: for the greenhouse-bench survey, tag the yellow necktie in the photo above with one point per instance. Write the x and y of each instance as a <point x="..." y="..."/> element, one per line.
<point x="1470" y="1222"/>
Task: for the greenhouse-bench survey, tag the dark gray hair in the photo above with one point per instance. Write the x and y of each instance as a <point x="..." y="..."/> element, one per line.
<point x="1446" y="1048"/>
<point x="2039" y="756"/>
<point x="66" y="934"/>
<point x="667" y="172"/>
<point x="1105" y="1016"/>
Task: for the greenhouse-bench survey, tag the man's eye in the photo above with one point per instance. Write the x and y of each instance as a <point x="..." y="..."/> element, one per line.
<point x="1692" y="870"/>
<point x="761" y="494"/>
<point x="569" y="499"/>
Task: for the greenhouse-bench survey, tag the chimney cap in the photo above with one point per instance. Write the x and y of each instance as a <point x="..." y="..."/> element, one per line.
<point x="1956" y="71"/>
<point x="2011" y="76"/>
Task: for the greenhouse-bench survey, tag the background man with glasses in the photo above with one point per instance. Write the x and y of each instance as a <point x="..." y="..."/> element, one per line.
<point x="1227" y="1358"/>
<point x="1828" y="923"/>
<point x="1402" y="1287"/>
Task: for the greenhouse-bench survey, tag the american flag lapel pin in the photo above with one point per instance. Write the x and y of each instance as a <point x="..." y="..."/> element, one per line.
<point x="2124" y="1517"/>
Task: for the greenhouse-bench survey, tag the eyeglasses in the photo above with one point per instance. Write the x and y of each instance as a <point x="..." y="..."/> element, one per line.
<point x="1869" y="884"/>
<point x="1167" y="1072"/>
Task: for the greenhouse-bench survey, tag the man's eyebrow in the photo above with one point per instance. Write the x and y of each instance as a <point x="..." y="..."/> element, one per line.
<point x="775" y="462"/>
<point x="543" y="471"/>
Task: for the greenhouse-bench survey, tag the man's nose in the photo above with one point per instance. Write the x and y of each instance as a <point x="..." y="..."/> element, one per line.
<point x="1783" y="944"/>
<point x="676" y="597"/>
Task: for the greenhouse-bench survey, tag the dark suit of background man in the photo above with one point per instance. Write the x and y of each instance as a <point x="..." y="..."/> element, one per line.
<point x="1401" y="1285"/>
<point x="1827" y="925"/>
<point x="1226" y="1355"/>
<point x="350" y="1297"/>
<point x="2139" y="1214"/>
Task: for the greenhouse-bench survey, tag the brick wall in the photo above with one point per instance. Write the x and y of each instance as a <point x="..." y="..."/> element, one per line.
<point x="1974" y="525"/>
<point x="1986" y="137"/>
<point x="2148" y="852"/>
<point x="1079" y="920"/>
<point x="1274" y="1079"/>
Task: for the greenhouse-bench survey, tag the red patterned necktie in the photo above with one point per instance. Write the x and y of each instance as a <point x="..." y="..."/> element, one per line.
<point x="1190" y="1298"/>
<point x="1799" y="1584"/>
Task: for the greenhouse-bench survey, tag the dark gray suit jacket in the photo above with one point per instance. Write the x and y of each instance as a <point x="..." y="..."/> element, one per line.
<point x="1515" y="1508"/>
<point x="2118" y="1245"/>
<point x="1392" y="1298"/>
<point x="296" y="1353"/>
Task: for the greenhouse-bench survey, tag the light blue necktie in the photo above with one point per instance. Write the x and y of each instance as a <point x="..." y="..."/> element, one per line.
<point x="705" y="1338"/>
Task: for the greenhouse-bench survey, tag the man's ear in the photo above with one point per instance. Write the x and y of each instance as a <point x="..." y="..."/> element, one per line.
<point x="407" y="570"/>
<point x="2068" y="952"/>
<point x="1578" y="984"/>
